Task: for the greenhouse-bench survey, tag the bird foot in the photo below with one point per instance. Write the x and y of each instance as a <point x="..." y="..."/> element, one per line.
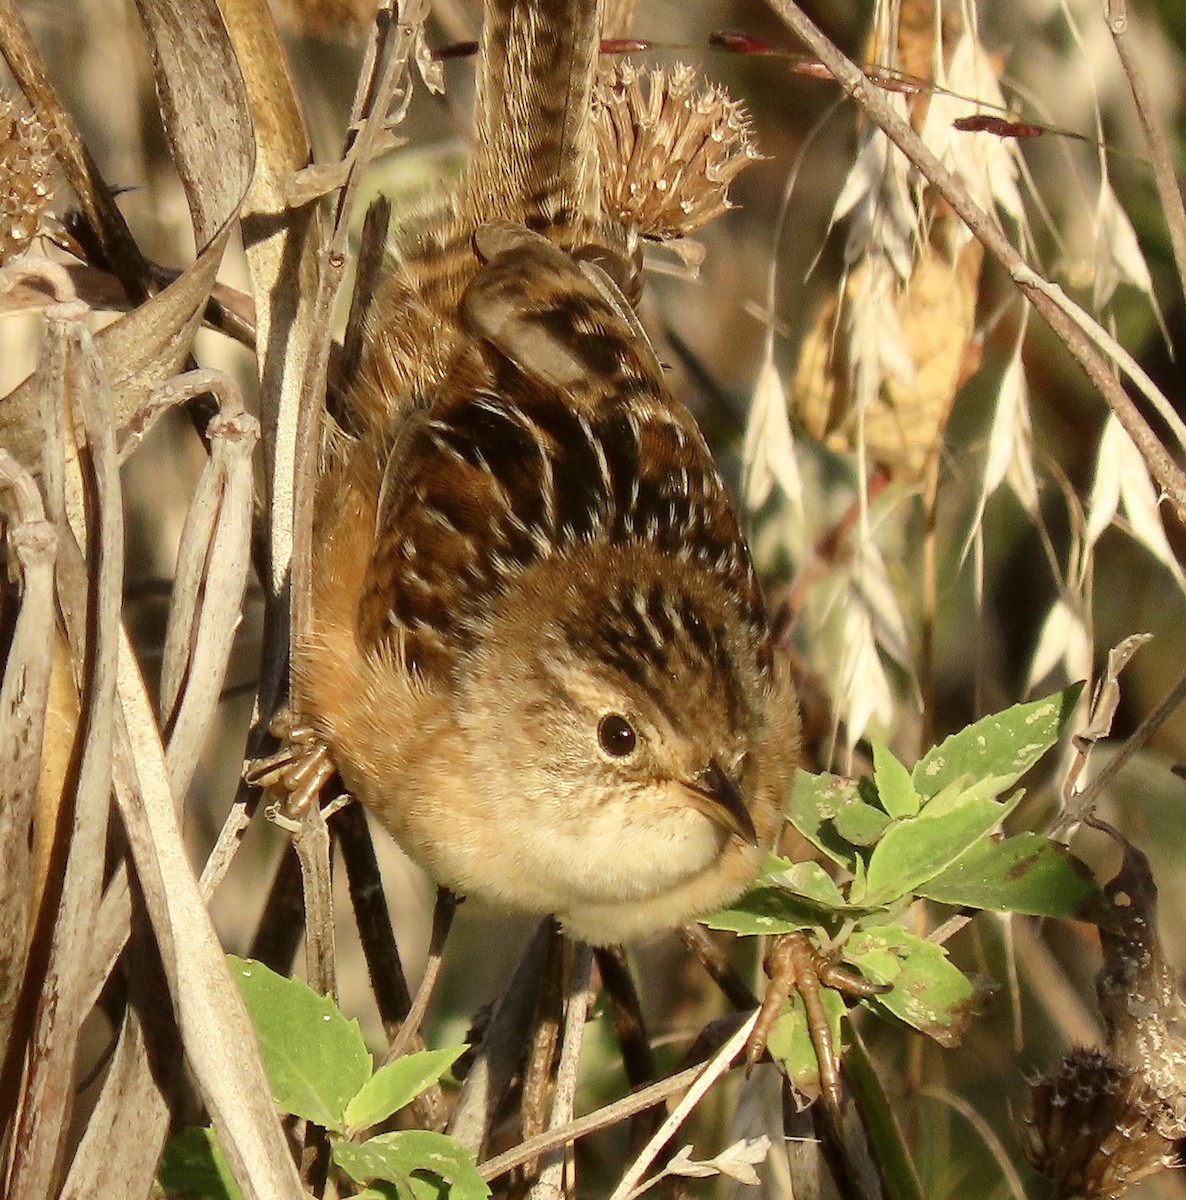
<point x="794" y="964"/>
<point x="295" y="774"/>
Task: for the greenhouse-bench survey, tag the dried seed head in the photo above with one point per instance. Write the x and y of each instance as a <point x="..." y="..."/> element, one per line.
<point x="1095" y="1127"/>
<point x="669" y="146"/>
<point x="26" y="167"/>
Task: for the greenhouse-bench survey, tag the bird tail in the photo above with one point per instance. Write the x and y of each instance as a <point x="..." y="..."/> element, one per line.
<point x="534" y="148"/>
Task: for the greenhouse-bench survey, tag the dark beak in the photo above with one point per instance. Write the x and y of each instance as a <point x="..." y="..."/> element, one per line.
<point x="718" y="798"/>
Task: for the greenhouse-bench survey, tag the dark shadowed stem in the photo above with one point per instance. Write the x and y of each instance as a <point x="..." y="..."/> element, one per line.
<point x="874" y="1149"/>
<point x="630" y="1028"/>
<point x="373" y="919"/>
<point x="1073" y="327"/>
<point x="502" y="1049"/>
<point x="282" y="923"/>
<point x="1164" y="172"/>
<point x="716" y="962"/>
<point x="442" y="922"/>
<point x="804" y="1156"/>
<point x="367" y="275"/>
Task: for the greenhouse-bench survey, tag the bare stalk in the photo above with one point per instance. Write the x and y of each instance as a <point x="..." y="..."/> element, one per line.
<point x="1164" y="174"/>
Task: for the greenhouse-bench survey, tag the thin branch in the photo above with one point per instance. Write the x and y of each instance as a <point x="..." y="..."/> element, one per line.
<point x="603" y="1118"/>
<point x="551" y="1179"/>
<point x="709" y="1074"/>
<point x="442" y="922"/>
<point x="1164" y="173"/>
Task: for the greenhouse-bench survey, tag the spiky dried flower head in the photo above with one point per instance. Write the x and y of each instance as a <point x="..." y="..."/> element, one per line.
<point x="669" y="145"/>
<point x="26" y="168"/>
<point x="1095" y="1126"/>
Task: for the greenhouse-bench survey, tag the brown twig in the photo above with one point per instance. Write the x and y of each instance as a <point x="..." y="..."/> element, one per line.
<point x="541" y="1052"/>
<point x="442" y="922"/>
<point x="1165" y="174"/>
<point x="502" y="1049"/>
<point x="551" y="1179"/>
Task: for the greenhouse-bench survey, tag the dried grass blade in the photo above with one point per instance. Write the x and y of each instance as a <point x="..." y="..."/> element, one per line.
<point x="284" y="248"/>
<point x="45" y="1103"/>
<point x="125" y="1133"/>
<point x="210" y="580"/>
<point x="23" y="698"/>
<point x="628" y="1185"/>
<point x="219" y="1044"/>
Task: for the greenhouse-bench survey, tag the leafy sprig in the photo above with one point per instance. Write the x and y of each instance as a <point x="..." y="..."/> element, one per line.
<point x="931" y="833"/>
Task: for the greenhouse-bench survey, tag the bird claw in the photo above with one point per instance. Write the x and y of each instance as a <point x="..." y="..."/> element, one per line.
<point x="794" y="964"/>
<point x="297" y="772"/>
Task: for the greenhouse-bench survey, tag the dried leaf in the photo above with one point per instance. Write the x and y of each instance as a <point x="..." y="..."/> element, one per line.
<point x="1140" y="501"/>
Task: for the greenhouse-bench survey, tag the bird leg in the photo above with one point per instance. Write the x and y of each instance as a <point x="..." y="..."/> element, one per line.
<point x="794" y="964"/>
<point x="295" y="774"/>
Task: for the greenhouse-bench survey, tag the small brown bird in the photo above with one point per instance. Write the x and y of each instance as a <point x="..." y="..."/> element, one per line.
<point x="540" y="655"/>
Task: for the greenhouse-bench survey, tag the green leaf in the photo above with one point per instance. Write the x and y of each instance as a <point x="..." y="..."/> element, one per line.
<point x="810" y="881"/>
<point x="315" y="1059"/>
<point x="765" y="909"/>
<point x="404" y="1158"/>
<point x="815" y="801"/>
<point x="860" y="824"/>
<point x="790" y="1041"/>
<point x="1026" y="873"/>
<point x="999" y="748"/>
<point x="914" y="851"/>
<point x="397" y="1084"/>
<point x="894" y="787"/>
<point x="194" y="1165"/>
<point x="929" y="992"/>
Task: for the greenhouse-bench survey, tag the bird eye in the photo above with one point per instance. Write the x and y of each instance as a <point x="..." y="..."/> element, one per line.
<point x="616" y="735"/>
